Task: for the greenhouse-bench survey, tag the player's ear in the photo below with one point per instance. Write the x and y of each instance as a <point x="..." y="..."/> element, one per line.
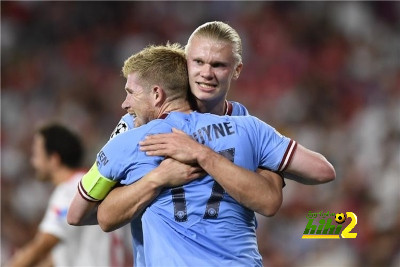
<point x="237" y="71"/>
<point x="54" y="160"/>
<point x="159" y="95"/>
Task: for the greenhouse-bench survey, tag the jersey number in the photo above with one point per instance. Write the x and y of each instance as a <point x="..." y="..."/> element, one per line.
<point x="212" y="208"/>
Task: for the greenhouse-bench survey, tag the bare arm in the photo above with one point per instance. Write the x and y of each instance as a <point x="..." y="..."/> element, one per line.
<point x="82" y="211"/>
<point x="124" y="203"/>
<point x="309" y="167"/>
<point x="256" y="192"/>
<point x="35" y="251"/>
<point x="260" y="193"/>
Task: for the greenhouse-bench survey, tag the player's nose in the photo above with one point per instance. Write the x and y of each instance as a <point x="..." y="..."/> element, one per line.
<point x="206" y="71"/>
<point x="125" y="105"/>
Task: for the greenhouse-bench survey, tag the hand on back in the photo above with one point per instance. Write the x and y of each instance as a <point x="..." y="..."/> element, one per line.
<point x="174" y="173"/>
<point x="177" y="145"/>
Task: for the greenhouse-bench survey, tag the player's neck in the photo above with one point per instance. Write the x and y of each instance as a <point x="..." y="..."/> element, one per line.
<point x="62" y="174"/>
<point x="180" y="105"/>
<point x="218" y="108"/>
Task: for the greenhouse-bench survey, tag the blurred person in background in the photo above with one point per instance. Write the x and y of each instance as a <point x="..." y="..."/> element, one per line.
<point x="56" y="156"/>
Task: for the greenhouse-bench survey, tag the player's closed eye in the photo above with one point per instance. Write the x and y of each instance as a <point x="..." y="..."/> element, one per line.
<point x="128" y="91"/>
<point x="218" y="65"/>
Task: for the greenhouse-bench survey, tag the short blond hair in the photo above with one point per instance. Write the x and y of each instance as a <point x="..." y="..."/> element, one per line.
<point x="164" y="65"/>
<point x="220" y="31"/>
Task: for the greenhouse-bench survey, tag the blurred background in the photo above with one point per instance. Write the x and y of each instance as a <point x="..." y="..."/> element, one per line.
<point x="326" y="74"/>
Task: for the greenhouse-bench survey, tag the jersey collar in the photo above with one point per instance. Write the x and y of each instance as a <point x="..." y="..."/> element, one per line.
<point x="163" y="116"/>
<point x="228" y="108"/>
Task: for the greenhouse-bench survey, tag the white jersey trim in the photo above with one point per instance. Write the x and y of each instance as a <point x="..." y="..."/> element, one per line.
<point x="84" y="194"/>
<point x="287" y="157"/>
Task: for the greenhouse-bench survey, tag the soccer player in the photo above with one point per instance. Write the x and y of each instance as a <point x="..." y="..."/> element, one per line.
<point x="206" y="224"/>
<point x="56" y="157"/>
<point x="214" y="59"/>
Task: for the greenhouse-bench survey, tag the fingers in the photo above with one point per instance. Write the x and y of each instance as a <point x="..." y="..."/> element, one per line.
<point x="159" y="150"/>
<point x="174" y="130"/>
<point x="152" y="147"/>
<point x="155" y="138"/>
<point x="156" y="153"/>
<point x="155" y="150"/>
<point x="196" y="175"/>
<point x="165" y="137"/>
<point x="153" y="141"/>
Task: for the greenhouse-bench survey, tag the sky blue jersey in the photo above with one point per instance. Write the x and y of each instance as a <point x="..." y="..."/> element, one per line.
<point x="198" y="224"/>
<point x="127" y="123"/>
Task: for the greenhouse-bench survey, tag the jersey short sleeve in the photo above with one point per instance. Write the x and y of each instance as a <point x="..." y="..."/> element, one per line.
<point x="238" y="109"/>
<point x="121" y="159"/>
<point x="275" y="150"/>
<point x="118" y="161"/>
<point x="115" y="163"/>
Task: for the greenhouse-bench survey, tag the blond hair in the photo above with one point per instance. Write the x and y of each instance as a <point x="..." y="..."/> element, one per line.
<point x="163" y="65"/>
<point x="220" y="31"/>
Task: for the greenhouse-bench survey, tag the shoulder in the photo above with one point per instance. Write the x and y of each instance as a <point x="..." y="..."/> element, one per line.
<point x="238" y="109"/>
<point x="125" y="139"/>
<point x="246" y="119"/>
<point x="127" y="143"/>
<point x="119" y="152"/>
<point x="175" y="119"/>
<point x="126" y="123"/>
<point x="252" y="123"/>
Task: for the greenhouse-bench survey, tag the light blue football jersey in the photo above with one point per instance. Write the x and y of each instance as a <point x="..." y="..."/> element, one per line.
<point x="127" y="122"/>
<point x="198" y="224"/>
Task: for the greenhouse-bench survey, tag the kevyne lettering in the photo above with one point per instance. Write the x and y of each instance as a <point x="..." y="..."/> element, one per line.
<point x="213" y="131"/>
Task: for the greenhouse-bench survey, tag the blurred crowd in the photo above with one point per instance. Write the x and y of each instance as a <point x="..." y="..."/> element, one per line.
<point x="326" y="74"/>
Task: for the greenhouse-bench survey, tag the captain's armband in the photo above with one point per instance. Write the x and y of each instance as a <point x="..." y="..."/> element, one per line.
<point x="94" y="186"/>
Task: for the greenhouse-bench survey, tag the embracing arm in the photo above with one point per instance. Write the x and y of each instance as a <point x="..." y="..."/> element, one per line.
<point x="82" y="211"/>
<point x="92" y="188"/>
<point x="261" y="191"/>
<point x="309" y="167"/>
<point x="124" y="203"/>
<point x="262" y="194"/>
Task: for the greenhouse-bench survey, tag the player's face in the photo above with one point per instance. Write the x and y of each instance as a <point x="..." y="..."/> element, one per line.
<point x="39" y="159"/>
<point x="211" y="67"/>
<point x="138" y="101"/>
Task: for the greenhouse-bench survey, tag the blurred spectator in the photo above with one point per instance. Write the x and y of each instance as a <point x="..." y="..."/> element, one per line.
<point x="56" y="157"/>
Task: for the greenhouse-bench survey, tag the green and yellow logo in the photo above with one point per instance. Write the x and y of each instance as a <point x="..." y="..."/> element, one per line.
<point x="326" y="230"/>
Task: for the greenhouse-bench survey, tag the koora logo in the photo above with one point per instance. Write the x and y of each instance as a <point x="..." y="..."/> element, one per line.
<point x="327" y="230"/>
<point x="339" y="218"/>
